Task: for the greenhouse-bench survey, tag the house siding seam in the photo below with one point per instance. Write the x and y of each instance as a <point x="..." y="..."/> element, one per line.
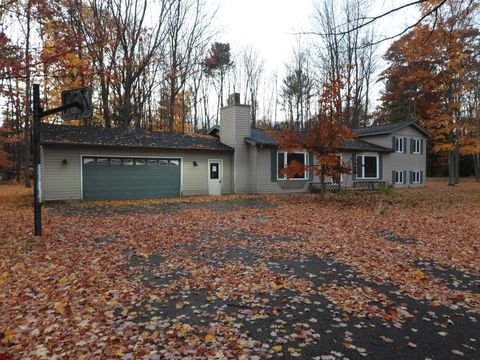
<point x="63" y="182"/>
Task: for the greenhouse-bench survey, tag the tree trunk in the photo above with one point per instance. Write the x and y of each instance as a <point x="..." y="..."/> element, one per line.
<point x="451" y="168"/>
<point x="26" y="148"/>
<point x="457" y="166"/>
<point x="476" y="164"/>
<point x="322" y="187"/>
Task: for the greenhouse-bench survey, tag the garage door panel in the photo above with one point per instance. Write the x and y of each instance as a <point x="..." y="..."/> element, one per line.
<point x="130" y="181"/>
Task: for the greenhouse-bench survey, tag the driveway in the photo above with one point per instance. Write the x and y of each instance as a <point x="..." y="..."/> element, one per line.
<point x="249" y="277"/>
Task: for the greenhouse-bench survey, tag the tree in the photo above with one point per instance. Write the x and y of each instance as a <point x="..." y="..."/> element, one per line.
<point x="431" y="69"/>
<point x="188" y="31"/>
<point x="346" y="53"/>
<point x="322" y="139"/>
<point x="298" y="90"/>
<point x="138" y="45"/>
<point x="217" y="64"/>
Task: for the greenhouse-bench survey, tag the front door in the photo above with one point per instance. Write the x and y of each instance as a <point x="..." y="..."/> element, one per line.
<point x="215" y="173"/>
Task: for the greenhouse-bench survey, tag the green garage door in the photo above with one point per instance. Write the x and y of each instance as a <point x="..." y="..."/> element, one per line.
<point x="130" y="178"/>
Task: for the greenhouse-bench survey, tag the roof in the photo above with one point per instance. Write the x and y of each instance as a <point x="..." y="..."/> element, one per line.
<point x="96" y="136"/>
<point x="388" y="129"/>
<point x="260" y="138"/>
<point x="214" y="130"/>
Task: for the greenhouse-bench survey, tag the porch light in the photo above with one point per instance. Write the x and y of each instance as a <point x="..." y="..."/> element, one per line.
<point x="64" y="161"/>
<point x="195" y="163"/>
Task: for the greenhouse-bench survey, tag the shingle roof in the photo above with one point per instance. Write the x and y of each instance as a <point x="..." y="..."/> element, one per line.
<point x="361" y="145"/>
<point x="259" y="137"/>
<point x="81" y="135"/>
<point x="388" y="129"/>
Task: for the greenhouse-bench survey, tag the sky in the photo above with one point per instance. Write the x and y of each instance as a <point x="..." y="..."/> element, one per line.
<point x="271" y="27"/>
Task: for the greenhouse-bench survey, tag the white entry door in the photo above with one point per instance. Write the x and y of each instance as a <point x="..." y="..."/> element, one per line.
<point x="215" y="174"/>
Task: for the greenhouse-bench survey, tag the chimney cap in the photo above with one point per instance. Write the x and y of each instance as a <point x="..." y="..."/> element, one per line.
<point x="234" y="99"/>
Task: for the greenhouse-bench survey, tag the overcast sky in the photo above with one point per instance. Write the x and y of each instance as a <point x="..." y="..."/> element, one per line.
<point x="270" y="26"/>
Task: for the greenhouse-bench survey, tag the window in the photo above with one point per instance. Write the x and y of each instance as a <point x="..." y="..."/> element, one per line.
<point x="163" y="162"/>
<point x="174" y="162"/>
<point x="367" y="167"/>
<point x="102" y="161"/>
<point x="140" y="162"/>
<point x="88" y="161"/>
<point x="115" y="162"/>
<point x="283" y="159"/>
<point x="399" y="144"/>
<point x="127" y="161"/>
<point x="416" y="146"/>
<point x="151" y="162"/>
<point x="399" y="177"/>
<point x="416" y="177"/>
<point x="214" y="171"/>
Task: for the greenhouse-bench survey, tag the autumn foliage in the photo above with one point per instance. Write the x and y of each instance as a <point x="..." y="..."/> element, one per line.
<point x="322" y="139"/>
<point x="431" y="78"/>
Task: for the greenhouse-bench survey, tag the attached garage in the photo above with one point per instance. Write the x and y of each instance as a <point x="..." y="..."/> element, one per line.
<point x="107" y="178"/>
<point x="89" y="163"/>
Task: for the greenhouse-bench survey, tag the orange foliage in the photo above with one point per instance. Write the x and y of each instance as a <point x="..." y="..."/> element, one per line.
<point x="323" y="138"/>
<point x="428" y="77"/>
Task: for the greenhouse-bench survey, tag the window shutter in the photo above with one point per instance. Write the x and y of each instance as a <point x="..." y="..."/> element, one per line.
<point x="411" y="177"/>
<point x="404" y="176"/>
<point x="393" y="143"/>
<point x="412" y="145"/>
<point x="393" y="177"/>
<point x="273" y="165"/>
<point x="310" y="163"/>
<point x="421" y="146"/>
<point x="380" y="166"/>
<point x="354" y="167"/>
<point x="404" y="145"/>
<point x="421" y="177"/>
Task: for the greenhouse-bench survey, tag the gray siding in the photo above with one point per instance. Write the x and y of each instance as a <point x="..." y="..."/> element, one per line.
<point x="63" y="182"/>
<point x="234" y="128"/>
<point x="265" y="184"/>
<point x="401" y="161"/>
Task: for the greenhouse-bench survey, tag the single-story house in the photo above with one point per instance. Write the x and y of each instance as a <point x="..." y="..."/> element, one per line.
<point x="83" y="163"/>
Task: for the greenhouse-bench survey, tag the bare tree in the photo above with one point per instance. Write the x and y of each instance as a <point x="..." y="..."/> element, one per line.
<point x="188" y="34"/>
<point x="139" y="42"/>
<point x="298" y="89"/>
<point x="346" y="55"/>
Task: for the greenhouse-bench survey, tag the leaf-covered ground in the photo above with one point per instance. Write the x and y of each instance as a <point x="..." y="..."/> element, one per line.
<point x="238" y="277"/>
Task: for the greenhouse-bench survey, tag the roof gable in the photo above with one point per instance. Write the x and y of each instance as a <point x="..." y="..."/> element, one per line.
<point x="95" y="136"/>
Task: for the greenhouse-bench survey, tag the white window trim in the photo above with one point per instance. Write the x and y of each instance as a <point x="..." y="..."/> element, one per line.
<point x="401" y="141"/>
<point x="401" y="177"/>
<point x="415" y="173"/>
<point x="361" y="176"/>
<point x="415" y="142"/>
<point x="305" y="156"/>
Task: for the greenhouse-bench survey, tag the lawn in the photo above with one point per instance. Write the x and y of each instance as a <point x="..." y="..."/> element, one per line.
<point x="238" y="277"/>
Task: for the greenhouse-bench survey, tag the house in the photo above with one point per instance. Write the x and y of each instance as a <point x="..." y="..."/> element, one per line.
<point x="99" y="163"/>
